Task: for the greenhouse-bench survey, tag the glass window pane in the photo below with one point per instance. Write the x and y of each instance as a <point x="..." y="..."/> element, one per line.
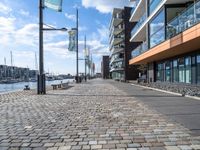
<point x="157" y="29"/>
<point x="153" y="4"/>
<point x="181" y="70"/>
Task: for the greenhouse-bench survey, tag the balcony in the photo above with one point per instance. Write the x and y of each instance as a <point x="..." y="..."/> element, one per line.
<point x="134" y="8"/>
<point x="139" y="24"/>
<point x="188" y="18"/>
<point x="116" y="40"/>
<point x="117" y="18"/>
<point x="116" y="50"/>
<point x="117" y="66"/>
<point x="139" y="50"/>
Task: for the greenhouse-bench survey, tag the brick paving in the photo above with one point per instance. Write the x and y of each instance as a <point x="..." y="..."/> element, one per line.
<point x="95" y="115"/>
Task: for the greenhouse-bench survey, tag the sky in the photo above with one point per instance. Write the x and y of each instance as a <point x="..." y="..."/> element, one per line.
<point x="19" y="33"/>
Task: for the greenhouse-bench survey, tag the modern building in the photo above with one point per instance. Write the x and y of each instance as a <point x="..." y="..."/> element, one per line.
<point x="168" y="32"/>
<point x="17" y="73"/>
<point x="120" y="46"/>
<point x="105" y="67"/>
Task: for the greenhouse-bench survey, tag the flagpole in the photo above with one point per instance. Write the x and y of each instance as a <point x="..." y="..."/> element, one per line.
<point x="85" y="61"/>
<point x="41" y="76"/>
<point x="77" y="74"/>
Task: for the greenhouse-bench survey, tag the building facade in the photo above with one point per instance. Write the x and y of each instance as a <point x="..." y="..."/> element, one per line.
<point x="17" y="73"/>
<point x="105" y="67"/>
<point x="120" y="45"/>
<point x="168" y="32"/>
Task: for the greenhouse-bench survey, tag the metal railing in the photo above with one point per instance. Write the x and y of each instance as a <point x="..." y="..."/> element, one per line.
<point x="140" y="49"/>
<point x="188" y="18"/>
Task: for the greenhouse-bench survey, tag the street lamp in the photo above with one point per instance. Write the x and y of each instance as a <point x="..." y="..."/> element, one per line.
<point x="41" y="86"/>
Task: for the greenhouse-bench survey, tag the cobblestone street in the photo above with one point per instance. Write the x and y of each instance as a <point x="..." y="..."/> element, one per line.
<point x="93" y="115"/>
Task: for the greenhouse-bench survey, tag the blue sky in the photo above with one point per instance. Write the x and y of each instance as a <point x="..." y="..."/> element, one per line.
<point x="19" y="32"/>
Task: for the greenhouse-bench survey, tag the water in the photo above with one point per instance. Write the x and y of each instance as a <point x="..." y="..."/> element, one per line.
<point x="33" y="85"/>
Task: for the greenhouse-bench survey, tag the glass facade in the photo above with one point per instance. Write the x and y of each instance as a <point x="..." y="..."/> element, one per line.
<point x="198" y="69"/>
<point x="118" y="75"/>
<point x="153" y="4"/>
<point x="182" y="70"/>
<point x="157" y="29"/>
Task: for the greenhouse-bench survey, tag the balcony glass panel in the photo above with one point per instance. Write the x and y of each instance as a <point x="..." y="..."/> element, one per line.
<point x="188" y="18"/>
<point x="139" y="50"/>
<point x="139" y="24"/>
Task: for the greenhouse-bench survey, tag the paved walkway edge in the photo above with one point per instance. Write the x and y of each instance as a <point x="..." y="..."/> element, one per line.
<point x="155" y="89"/>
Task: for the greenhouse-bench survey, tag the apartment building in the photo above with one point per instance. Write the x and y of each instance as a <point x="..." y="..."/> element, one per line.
<point x="168" y="32"/>
<point x="120" y="46"/>
<point x="105" y="67"/>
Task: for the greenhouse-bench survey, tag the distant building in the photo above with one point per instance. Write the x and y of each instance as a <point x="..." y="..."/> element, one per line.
<point x="105" y="67"/>
<point x="17" y="73"/>
<point x="120" y="46"/>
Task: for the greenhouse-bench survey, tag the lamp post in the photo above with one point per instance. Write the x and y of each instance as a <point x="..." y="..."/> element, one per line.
<point x="85" y="60"/>
<point x="77" y="73"/>
<point x="41" y="85"/>
<point x="41" y="76"/>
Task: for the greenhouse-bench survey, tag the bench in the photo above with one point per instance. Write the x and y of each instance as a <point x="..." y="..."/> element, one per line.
<point x="65" y="85"/>
<point x="61" y="85"/>
<point x="56" y="86"/>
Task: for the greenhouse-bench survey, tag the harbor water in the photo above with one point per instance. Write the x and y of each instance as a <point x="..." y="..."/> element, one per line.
<point x="4" y="88"/>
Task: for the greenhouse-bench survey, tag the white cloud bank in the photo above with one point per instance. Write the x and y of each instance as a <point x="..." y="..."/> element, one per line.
<point x="105" y="6"/>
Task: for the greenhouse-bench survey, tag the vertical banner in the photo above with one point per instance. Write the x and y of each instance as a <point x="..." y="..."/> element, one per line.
<point x="53" y="4"/>
<point x="72" y="40"/>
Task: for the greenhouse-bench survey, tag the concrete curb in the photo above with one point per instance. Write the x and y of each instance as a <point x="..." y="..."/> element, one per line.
<point x="164" y="91"/>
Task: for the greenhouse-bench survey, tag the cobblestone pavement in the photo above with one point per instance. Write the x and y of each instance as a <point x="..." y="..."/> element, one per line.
<point x="95" y="115"/>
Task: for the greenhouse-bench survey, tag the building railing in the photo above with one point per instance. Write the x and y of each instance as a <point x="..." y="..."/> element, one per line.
<point x="133" y="9"/>
<point x="188" y="18"/>
<point x="140" y="49"/>
<point x="139" y="24"/>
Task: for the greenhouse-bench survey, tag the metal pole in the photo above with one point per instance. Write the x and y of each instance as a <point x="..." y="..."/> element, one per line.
<point x="85" y="61"/>
<point x="41" y="76"/>
<point x="77" y="74"/>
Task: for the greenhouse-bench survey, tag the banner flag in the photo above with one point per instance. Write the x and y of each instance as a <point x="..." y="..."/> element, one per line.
<point x="53" y="4"/>
<point x="72" y="40"/>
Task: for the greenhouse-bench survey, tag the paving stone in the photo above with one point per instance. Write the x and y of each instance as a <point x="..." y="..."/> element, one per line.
<point x="96" y="146"/>
<point x="49" y="144"/>
<point x="64" y="148"/>
<point x="172" y="148"/>
<point x="92" y="115"/>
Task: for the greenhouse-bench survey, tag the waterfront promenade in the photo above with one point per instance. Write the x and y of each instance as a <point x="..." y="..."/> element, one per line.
<point x="93" y="115"/>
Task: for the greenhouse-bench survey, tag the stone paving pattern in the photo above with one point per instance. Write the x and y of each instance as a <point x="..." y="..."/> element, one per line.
<point x="94" y="115"/>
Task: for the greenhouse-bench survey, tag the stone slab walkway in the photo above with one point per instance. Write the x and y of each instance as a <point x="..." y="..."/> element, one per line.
<point x="95" y="115"/>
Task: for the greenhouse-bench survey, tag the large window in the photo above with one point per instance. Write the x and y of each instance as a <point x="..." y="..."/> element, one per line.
<point x="153" y="4"/>
<point x="198" y="69"/>
<point x="168" y="71"/>
<point x="188" y="69"/>
<point x="175" y="70"/>
<point x="160" y="72"/>
<point x="157" y="29"/>
<point x="181" y="70"/>
<point x="193" y="69"/>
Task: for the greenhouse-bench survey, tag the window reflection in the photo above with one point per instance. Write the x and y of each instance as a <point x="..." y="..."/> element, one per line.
<point x="157" y="29"/>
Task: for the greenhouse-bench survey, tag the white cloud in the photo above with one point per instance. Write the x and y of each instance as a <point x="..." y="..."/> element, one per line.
<point x="82" y="28"/>
<point x="24" y="12"/>
<point x="70" y="16"/>
<point x="105" y="6"/>
<point x="7" y="24"/>
<point x="4" y="9"/>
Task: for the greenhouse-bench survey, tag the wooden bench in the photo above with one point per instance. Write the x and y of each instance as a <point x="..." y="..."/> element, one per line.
<point x="59" y="86"/>
<point x="56" y="86"/>
<point x="65" y="85"/>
